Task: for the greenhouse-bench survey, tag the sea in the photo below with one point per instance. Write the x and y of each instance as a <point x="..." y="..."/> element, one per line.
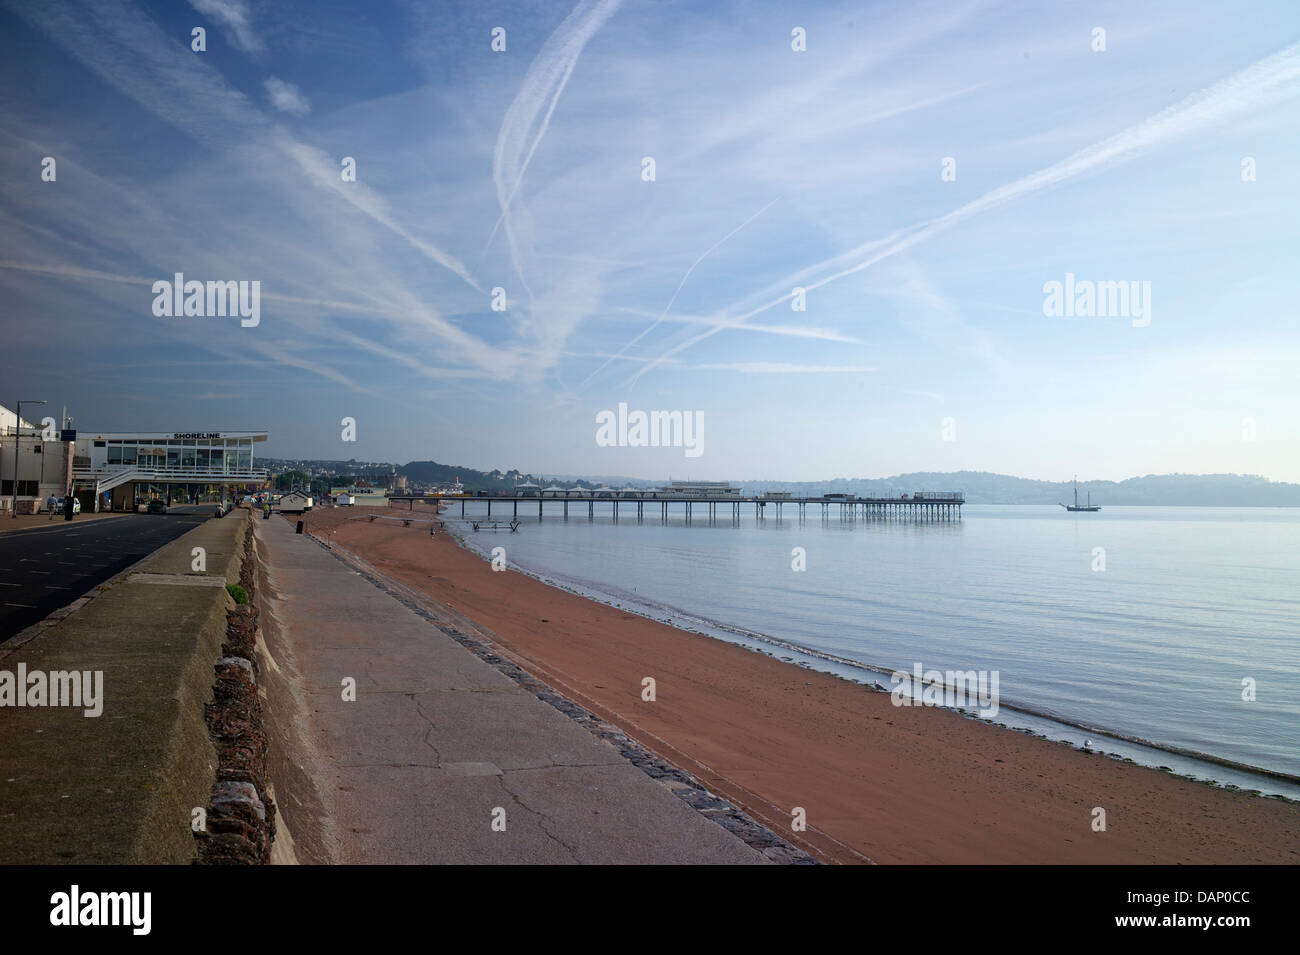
<point x="1165" y="635"/>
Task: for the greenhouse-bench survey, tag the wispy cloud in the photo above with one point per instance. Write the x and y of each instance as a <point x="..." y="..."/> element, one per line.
<point x="133" y="54"/>
<point x="747" y="367"/>
<point x="286" y="97"/>
<point x="1270" y="80"/>
<point x="784" y="368"/>
<point x="235" y="20"/>
<point x="813" y="332"/>
<point x="323" y="170"/>
<point x="920" y="292"/>
<point x="529" y="115"/>
<point x="685" y="277"/>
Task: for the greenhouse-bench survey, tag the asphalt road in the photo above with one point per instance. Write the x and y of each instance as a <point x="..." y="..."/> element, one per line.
<point x="44" y="569"/>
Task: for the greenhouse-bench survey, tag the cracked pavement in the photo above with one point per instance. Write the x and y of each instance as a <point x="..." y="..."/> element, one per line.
<point x="437" y="739"/>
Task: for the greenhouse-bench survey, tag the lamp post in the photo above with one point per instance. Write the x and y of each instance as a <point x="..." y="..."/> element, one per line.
<point x="18" y="431"/>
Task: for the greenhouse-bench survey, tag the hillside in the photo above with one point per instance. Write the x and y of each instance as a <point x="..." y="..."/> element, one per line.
<point x="981" y="487"/>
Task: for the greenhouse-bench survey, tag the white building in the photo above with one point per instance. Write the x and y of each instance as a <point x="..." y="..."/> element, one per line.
<point x="121" y="469"/>
<point x="183" y="467"/>
<point x="37" y="458"/>
<point x="700" y="489"/>
<point x="295" y="502"/>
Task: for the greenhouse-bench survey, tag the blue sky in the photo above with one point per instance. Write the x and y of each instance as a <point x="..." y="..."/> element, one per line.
<point x="774" y="168"/>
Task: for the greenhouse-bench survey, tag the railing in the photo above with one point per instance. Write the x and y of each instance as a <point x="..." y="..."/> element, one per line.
<point x="923" y="497"/>
<point x="176" y="473"/>
<point x="110" y="476"/>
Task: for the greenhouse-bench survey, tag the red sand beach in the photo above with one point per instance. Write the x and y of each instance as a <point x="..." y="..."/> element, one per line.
<point x="878" y="783"/>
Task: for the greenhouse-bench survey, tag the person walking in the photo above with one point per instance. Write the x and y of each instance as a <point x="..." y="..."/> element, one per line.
<point x="52" y="505"/>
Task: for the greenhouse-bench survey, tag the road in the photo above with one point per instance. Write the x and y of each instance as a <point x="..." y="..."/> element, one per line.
<point x="44" y="569"/>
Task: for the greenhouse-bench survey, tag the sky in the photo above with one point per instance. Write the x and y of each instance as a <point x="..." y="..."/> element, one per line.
<point x="640" y="188"/>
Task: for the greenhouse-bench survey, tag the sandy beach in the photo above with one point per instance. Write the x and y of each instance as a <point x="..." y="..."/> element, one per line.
<point x="878" y="783"/>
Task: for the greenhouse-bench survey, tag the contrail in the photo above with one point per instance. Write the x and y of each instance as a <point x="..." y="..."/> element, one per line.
<point x="77" y="272"/>
<point x="1272" y="79"/>
<point x="546" y="78"/>
<point x="492" y="360"/>
<point x="667" y="308"/>
<point x="133" y="54"/>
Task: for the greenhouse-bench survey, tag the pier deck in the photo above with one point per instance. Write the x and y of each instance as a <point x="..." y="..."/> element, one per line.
<point x="944" y="506"/>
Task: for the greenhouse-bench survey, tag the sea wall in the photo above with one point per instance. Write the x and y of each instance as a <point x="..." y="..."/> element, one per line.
<point x="123" y="786"/>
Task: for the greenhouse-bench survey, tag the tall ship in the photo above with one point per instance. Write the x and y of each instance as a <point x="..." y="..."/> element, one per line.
<point x="1076" y="506"/>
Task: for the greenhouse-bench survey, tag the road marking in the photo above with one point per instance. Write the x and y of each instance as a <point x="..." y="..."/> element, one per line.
<point x="24" y="606"/>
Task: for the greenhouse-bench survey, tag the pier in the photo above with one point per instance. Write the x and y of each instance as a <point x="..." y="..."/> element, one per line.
<point x="927" y="506"/>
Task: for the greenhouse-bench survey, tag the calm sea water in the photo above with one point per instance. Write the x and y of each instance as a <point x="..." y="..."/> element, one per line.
<point x="1191" y="602"/>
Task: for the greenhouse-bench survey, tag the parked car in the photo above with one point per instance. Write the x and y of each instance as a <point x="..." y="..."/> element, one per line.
<point x="156" y="507"/>
<point x="76" y="505"/>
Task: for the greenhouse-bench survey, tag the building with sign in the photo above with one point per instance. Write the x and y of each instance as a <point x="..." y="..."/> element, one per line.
<point x="123" y="469"/>
<point x="178" y="467"/>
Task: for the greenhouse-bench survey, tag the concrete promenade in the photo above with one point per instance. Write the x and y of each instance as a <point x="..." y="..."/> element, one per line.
<point x="438" y="743"/>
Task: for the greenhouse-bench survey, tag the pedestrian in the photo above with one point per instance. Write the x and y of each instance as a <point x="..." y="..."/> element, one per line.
<point x="52" y="504"/>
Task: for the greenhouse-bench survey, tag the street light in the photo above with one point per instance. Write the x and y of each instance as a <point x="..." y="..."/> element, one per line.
<point x="18" y="431"/>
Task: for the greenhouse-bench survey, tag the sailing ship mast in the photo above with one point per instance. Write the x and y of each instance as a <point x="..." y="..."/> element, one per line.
<point x="1076" y="506"/>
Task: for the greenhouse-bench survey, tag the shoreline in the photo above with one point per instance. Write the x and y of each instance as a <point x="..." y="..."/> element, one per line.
<point x="878" y="782"/>
<point x="851" y="670"/>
